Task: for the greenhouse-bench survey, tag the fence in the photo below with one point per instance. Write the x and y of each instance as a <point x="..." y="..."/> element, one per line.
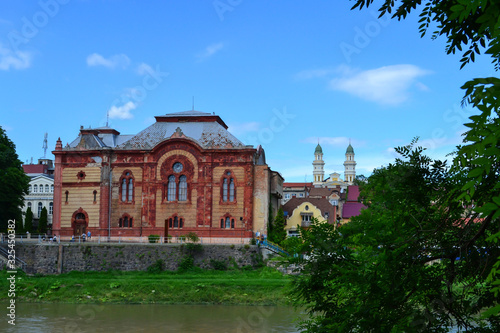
<point x="45" y="239"/>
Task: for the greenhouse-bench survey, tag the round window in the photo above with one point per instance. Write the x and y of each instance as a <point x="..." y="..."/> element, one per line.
<point x="177" y="167"/>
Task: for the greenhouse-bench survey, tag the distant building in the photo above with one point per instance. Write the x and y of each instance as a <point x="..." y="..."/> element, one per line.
<point x="184" y="173"/>
<point x="352" y="206"/>
<point x="41" y="189"/>
<point x="300" y="211"/>
<point x="298" y="190"/>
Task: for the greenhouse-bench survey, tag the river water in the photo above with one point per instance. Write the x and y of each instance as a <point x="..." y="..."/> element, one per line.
<point x="35" y="317"/>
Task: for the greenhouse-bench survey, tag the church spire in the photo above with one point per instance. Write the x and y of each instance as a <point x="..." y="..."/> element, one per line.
<point x="318" y="166"/>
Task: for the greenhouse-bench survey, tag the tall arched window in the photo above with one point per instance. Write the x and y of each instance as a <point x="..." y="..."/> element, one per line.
<point x="51" y="208"/>
<point x="51" y="188"/>
<point x="35" y="188"/>
<point x="127" y="187"/>
<point x="228" y="187"/>
<point x="47" y="188"/>
<point x="182" y="188"/>
<point x="171" y="188"/>
<point x="40" y="207"/>
<point x="29" y="205"/>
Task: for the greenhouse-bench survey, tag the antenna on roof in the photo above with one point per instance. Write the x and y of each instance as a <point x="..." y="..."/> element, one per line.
<point x="107" y="118"/>
<point x="193" y="104"/>
<point x="44" y="147"/>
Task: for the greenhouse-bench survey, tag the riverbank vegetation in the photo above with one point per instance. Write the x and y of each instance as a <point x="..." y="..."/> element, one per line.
<point x="264" y="286"/>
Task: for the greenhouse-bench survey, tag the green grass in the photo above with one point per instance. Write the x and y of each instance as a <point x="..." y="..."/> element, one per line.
<point x="264" y="286"/>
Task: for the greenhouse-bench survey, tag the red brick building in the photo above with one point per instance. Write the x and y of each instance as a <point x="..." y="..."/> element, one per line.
<point x="184" y="173"/>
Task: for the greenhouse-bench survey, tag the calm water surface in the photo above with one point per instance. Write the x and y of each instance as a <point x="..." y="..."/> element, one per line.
<point x="149" y="318"/>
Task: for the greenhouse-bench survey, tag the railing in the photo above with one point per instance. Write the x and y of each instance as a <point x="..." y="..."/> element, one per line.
<point x="19" y="263"/>
<point x="273" y="247"/>
<point x="45" y="239"/>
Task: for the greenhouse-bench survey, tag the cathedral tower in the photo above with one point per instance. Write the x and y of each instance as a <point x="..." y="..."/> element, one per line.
<point x="318" y="164"/>
<point x="349" y="165"/>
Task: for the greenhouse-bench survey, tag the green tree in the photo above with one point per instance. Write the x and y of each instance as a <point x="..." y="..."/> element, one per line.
<point x="28" y="220"/>
<point x="42" y="222"/>
<point x="470" y="27"/>
<point x="278" y="234"/>
<point x="13" y="182"/>
<point x="407" y="263"/>
<point x="270" y="221"/>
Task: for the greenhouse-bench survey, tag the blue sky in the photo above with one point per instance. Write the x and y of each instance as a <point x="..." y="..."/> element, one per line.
<point x="283" y="74"/>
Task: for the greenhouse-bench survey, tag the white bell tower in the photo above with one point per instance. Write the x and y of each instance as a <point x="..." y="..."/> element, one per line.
<point x="318" y="167"/>
<point x="349" y="165"/>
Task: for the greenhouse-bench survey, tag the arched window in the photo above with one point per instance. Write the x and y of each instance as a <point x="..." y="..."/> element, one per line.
<point x="51" y="208"/>
<point x="47" y="188"/>
<point x="35" y="188"/>
<point x="127" y="187"/>
<point x="182" y="188"/>
<point x="51" y="188"/>
<point x="228" y="187"/>
<point x="95" y="196"/>
<point x="231" y="190"/>
<point x="126" y="221"/>
<point x="227" y="222"/>
<point x="40" y="207"/>
<point x="67" y="195"/>
<point x="171" y="188"/>
<point x="175" y="222"/>
<point x="29" y="205"/>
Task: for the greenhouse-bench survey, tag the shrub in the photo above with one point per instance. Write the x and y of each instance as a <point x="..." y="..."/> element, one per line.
<point x="193" y="237"/>
<point x="218" y="265"/>
<point x="154" y="238"/>
<point x="194" y="248"/>
<point x="157" y="267"/>
<point x="186" y="263"/>
<point x="253" y="241"/>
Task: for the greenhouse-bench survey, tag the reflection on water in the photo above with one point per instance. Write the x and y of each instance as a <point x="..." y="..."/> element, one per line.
<point x="150" y="318"/>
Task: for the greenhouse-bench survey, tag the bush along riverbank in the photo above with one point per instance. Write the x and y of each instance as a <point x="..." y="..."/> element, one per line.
<point x="262" y="286"/>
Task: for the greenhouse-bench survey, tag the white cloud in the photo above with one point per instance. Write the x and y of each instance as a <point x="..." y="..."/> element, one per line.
<point x="15" y="60"/>
<point x="115" y="61"/>
<point x="122" y="112"/>
<point x="243" y="128"/>
<point x="210" y="51"/>
<point x="387" y="85"/>
<point x="314" y="73"/>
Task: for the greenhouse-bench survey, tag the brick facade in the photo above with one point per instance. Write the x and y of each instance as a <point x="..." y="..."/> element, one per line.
<point x="137" y="202"/>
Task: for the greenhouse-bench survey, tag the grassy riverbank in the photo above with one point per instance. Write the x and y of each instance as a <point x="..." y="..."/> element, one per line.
<point x="264" y="286"/>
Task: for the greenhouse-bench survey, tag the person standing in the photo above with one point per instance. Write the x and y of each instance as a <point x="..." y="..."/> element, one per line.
<point x="88" y="235"/>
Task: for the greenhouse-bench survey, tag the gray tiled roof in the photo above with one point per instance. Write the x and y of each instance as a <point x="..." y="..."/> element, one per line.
<point x="208" y="134"/>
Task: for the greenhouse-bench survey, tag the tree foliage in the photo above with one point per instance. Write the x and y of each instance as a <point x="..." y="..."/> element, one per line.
<point x="469" y="27"/>
<point x="279" y="232"/>
<point x="409" y="263"/>
<point x="13" y="182"/>
<point x="28" y="220"/>
<point x="42" y="222"/>
<point x="375" y="274"/>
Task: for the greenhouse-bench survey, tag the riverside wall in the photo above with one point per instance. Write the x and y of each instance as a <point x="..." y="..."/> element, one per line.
<point x="63" y="258"/>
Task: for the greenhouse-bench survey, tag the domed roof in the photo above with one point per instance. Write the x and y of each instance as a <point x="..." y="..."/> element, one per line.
<point x="318" y="150"/>
<point x="349" y="150"/>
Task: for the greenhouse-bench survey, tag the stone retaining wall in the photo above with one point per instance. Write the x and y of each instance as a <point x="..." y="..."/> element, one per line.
<point x="44" y="258"/>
